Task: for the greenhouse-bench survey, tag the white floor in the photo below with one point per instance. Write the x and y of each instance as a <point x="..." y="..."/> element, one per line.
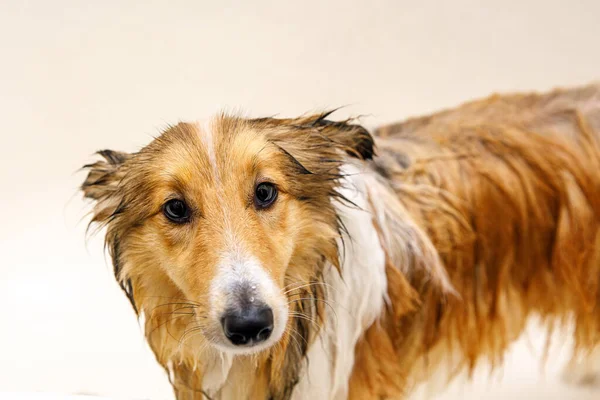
<point x="76" y="77"/>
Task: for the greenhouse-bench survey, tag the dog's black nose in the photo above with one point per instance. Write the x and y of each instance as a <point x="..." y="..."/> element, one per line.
<point x="252" y="324"/>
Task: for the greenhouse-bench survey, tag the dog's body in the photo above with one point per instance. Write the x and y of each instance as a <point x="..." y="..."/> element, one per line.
<point x="377" y="259"/>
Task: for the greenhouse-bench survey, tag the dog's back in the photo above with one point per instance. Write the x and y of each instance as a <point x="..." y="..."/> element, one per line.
<point x="558" y="112"/>
<point x="508" y="190"/>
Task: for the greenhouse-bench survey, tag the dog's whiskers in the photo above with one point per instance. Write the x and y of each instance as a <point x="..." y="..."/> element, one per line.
<point x="305" y="317"/>
<point x="288" y="290"/>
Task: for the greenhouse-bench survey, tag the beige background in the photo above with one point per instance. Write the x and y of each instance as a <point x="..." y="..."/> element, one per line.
<point x="78" y="76"/>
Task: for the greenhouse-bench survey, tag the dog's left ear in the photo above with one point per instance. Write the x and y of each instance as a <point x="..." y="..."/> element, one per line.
<point x="102" y="183"/>
<point x="351" y="137"/>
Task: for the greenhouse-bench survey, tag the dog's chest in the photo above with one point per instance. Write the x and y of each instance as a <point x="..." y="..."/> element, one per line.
<point x="356" y="298"/>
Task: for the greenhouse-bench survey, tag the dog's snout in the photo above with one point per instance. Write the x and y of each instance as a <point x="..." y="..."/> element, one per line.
<point x="250" y="325"/>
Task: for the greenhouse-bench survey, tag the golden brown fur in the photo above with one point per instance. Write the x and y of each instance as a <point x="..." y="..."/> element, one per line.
<point x="508" y="190"/>
<point x="491" y="214"/>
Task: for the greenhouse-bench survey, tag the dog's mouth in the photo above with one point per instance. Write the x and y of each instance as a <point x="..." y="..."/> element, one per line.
<point x="250" y="347"/>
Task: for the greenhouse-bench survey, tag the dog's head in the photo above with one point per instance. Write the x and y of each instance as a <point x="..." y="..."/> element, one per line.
<point x="233" y="220"/>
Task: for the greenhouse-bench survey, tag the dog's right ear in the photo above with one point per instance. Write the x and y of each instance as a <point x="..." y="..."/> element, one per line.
<point x="102" y="183"/>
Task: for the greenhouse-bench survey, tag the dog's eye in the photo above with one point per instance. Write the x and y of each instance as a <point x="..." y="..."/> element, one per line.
<point x="265" y="194"/>
<point x="176" y="211"/>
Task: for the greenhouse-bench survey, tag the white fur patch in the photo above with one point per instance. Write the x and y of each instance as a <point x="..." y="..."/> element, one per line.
<point x="356" y="299"/>
<point x="208" y="139"/>
<point x="235" y="270"/>
<point x="216" y="368"/>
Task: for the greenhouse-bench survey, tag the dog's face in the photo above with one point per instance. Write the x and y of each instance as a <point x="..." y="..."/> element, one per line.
<point x="222" y="227"/>
<point x="234" y="216"/>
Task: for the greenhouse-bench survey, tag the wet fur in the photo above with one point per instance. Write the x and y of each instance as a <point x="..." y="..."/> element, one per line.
<point x="487" y="214"/>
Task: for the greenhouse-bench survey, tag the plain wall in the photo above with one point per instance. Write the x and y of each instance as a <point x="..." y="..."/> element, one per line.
<point x="76" y="77"/>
